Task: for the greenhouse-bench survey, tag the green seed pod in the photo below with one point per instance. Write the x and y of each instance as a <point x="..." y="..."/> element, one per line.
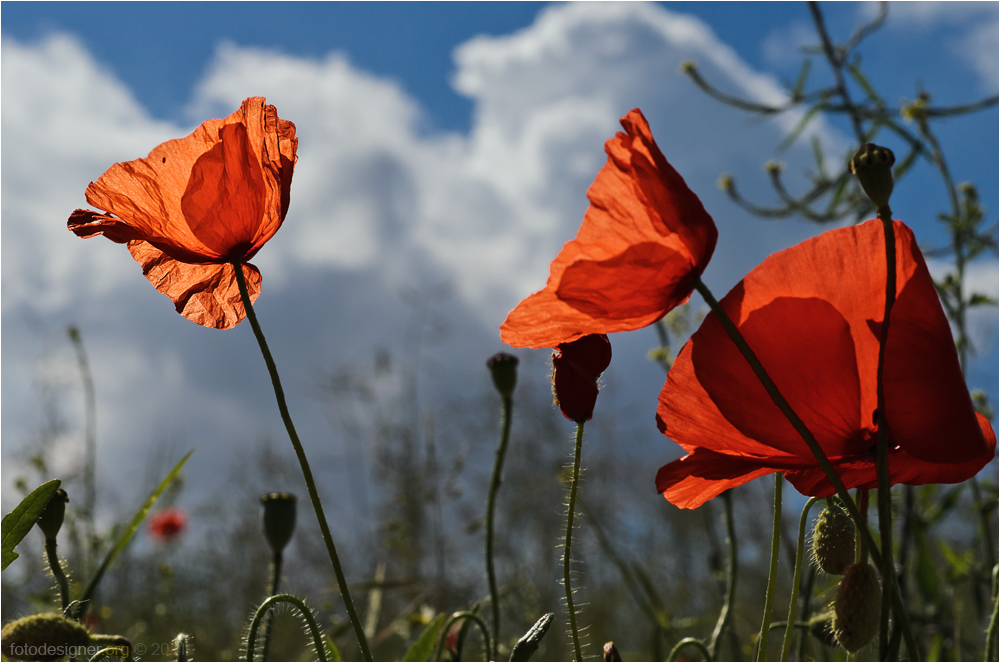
<point x="277" y="511"/>
<point x="50" y="520"/>
<point x="856" y="608"/>
<point x="833" y="540"/>
<point x="873" y="166"/>
<point x="43" y="637"/>
<point x="503" y="368"/>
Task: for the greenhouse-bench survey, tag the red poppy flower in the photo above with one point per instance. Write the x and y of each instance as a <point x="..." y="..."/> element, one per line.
<point x="167" y="524"/>
<point x="813" y="314"/>
<point x="575" y="371"/>
<point x="198" y="204"/>
<point x="643" y="242"/>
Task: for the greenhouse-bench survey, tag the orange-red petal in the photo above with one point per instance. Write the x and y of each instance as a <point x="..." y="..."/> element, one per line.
<point x="643" y="241"/>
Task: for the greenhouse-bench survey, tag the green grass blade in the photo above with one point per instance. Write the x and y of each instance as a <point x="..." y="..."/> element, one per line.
<point x="19" y="522"/>
<point x="129" y="531"/>
<point x="332" y="653"/>
<point x="424" y="646"/>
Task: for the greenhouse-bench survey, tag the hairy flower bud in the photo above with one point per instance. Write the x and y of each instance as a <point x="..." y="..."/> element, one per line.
<point x="833" y="540"/>
<point x="503" y="368"/>
<point x="277" y="511"/>
<point x="856" y="608"/>
<point x="43" y="637"/>
<point x="50" y="520"/>
<point x="873" y="166"/>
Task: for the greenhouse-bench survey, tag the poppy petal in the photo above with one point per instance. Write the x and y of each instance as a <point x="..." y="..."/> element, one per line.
<point x="206" y="294"/>
<point x="696" y="478"/>
<point x="644" y="239"/>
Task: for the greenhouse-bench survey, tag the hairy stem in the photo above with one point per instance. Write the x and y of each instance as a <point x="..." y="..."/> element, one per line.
<point x="731" y="573"/>
<point x="568" y="545"/>
<point x="772" y="575"/>
<point x="786" y="644"/>
<point x="57" y="571"/>
<point x="269" y="624"/>
<point x="507" y="403"/>
<point x="265" y="608"/>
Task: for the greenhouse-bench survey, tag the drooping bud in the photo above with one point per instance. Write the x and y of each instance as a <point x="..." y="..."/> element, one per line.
<point x="277" y="511"/>
<point x="50" y="520"/>
<point x="873" y="167"/>
<point x="43" y="637"/>
<point x="611" y="653"/>
<point x="856" y="608"/>
<point x="575" y="371"/>
<point x="503" y="368"/>
<point x="833" y="540"/>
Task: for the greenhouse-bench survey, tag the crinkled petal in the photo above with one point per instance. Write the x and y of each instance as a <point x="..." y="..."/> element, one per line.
<point x="643" y="241"/>
<point x="691" y="481"/>
<point x="207" y="294"/>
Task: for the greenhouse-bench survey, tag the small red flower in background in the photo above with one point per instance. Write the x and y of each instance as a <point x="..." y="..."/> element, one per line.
<point x="644" y="240"/>
<point x="197" y="204"/>
<point x="168" y="524"/>
<point x="813" y="314"/>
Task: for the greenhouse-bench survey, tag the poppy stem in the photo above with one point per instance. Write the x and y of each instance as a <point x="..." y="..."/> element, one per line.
<point x="882" y="453"/>
<point x="772" y="575"/>
<point x="269" y="623"/>
<point x="786" y="644"/>
<point x="816" y="450"/>
<point x="463" y="616"/>
<point x="568" y="545"/>
<point x="507" y="403"/>
<point x="300" y="453"/>
<point x="731" y="572"/>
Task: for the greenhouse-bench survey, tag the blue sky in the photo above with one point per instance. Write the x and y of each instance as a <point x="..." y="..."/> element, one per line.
<point x="444" y="146"/>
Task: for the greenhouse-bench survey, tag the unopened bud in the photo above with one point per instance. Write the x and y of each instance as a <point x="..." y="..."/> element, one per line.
<point x="575" y="371"/>
<point x="687" y="67"/>
<point x="774" y="167"/>
<point x="873" y="167"/>
<point x="725" y="182"/>
<point x="833" y="540"/>
<point x="503" y="368"/>
<point x="44" y="637"/>
<point x="856" y="608"/>
<point x="277" y="511"/>
<point x="611" y="652"/>
<point x="50" y="520"/>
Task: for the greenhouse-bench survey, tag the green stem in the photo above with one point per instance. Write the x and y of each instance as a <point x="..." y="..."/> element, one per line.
<point x="265" y="607"/>
<point x="772" y="575"/>
<point x="568" y="545"/>
<point x="507" y="403"/>
<point x="731" y="573"/>
<point x="467" y="616"/>
<point x="90" y="446"/>
<point x="786" y="644"/>
<point x="303" y="463"/>
<point x="817" y="452"/>
<point x="57" y="571"/>
<point x="689" y="642"/>
<point x="991" y="630"/>
<point x="269" y="624"/>
<point x="882" y="454"/>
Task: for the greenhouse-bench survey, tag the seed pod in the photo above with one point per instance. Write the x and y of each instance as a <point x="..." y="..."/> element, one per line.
<point x="43" y="637"/>
<point x="833" y="540"/>
<point x="277" y="511"/>
<point x="856" y="608"/>
<point x="503" y="368"/>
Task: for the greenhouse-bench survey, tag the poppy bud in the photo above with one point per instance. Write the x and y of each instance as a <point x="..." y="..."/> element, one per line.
<point x="503" y="368"/>
<point x="856" y="608"/>
<point x="50" y="520"/>
<point x="43" y="637"/>
<point x="774" y="167"/>
<point x="611" y="652"/>
<point x="575" y="370"/>
<point x="873" y="166"/>
<point x="833" y="540"/>
<point x="277" y="511"/>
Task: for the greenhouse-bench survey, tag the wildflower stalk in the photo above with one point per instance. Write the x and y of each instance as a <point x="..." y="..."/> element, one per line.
<point x="465" y="616"/>
<point x="568" y="545"/>
<point x="816" y="450"/>
<point x="265" y="608"/>
<point x="772" y="575"/>
<point x="269" y="624"/>
<point x="306" y="471"/>
<point x="786" y="644"/>
<point x="57" y="571"/>
<point x="731" y="573"/>
<point x="689" y="642"/>
<point x="507" y="403"/>
<point x="991" y="630"/>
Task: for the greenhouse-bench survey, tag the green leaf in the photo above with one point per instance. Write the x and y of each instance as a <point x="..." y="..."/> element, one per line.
<point x="979" y="299"/>
<point x="862" y="80"/>
<point x="332" y="653"/>
<point x="19" y="522"/>
<point x="129" y="531"/>
<point x="800" y="84"/>
<point x="800" y="127"/>
<point x="424" y="646"/>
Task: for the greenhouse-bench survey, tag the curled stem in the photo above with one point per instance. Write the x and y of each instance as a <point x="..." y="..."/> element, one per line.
<point x="731" y="573"/>
<point x="689" y="642"/>
<point x="817" y="452"/>
<point x="464" y="616"/>
<point x="568" y="545"/>
<point x="786" y="644"/>
<point x="57" y="571"/>
<point x="300" y="453"/>
<point x="306" y="613"/>
<point x="507" y="403"/>
<point x="772" y="575"/>
<point x="269" y="624"/>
